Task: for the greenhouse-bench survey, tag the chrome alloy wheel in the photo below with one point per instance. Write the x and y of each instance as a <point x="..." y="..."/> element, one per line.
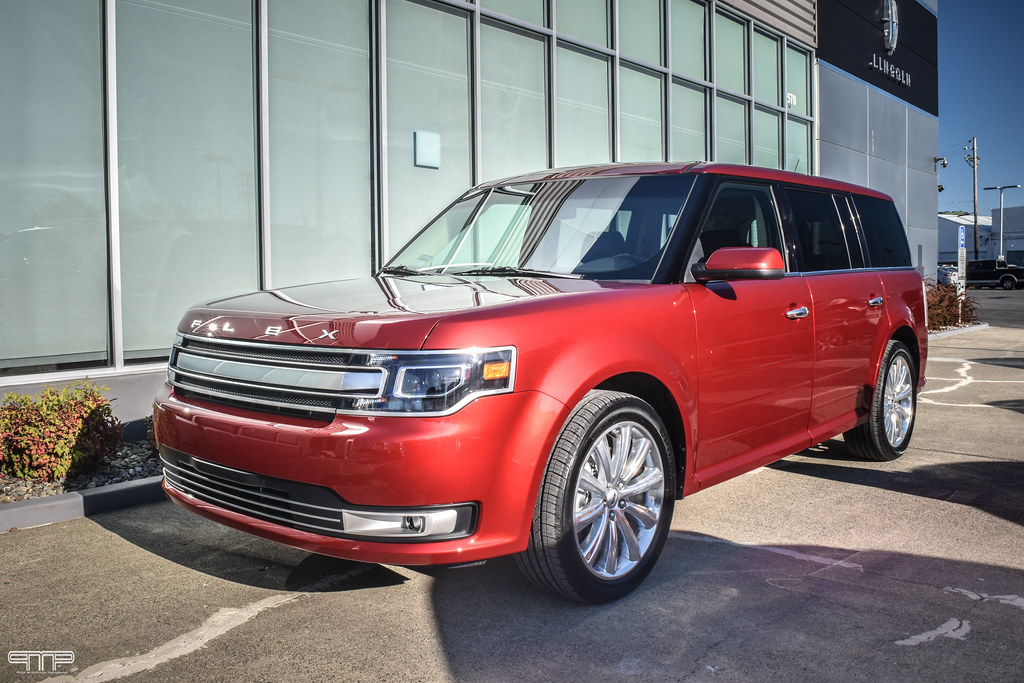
<point x="619" y="495"/>
<point x="898" y="409"/>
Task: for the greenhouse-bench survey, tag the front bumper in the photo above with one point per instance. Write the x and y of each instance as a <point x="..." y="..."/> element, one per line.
<point x="445" y="490"/>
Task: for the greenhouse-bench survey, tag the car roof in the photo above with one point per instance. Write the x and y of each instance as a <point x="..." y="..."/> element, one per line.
<point x="696" y="167"/>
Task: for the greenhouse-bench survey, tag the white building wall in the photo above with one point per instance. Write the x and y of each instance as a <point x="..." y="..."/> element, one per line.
<point x="1013" y="238"/>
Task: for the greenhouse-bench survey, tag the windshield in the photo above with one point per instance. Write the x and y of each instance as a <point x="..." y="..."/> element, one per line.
<point x="599" y="228"/>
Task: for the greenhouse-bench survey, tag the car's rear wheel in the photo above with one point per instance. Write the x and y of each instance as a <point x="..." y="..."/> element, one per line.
<point x="886" y="434"/>
<point x="605" y="502"/>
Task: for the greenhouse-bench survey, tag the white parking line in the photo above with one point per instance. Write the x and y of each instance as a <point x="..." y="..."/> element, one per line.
<point x="819" y="559"/>
<point x="964" y="379"/>
<point x="224" y="620"/>
<point x="1013" y="600"/>
<point x="954" y="628"/>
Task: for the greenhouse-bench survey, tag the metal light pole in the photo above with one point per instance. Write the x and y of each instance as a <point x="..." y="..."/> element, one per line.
<point x="1002" y="222"/>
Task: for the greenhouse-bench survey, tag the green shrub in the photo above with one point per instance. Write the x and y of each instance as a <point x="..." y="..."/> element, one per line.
<point x="62" y="431"/>
<point x="947" y="309"/>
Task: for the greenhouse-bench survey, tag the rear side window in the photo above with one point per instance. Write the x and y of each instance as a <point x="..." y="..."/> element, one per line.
<point x="883" y="232"/>
<point x="819" y="230"/>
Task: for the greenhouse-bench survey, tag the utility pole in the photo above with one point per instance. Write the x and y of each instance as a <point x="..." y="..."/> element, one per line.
<point x="973" y="160"/>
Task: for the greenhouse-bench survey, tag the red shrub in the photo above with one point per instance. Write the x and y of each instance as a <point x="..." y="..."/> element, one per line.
<point x="60" y="431"/>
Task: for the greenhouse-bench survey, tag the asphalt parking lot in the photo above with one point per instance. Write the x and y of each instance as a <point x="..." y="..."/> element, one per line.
<point x="819" y="567"/>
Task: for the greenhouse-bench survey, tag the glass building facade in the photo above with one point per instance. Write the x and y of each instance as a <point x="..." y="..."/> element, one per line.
<point x="154" y="154"/>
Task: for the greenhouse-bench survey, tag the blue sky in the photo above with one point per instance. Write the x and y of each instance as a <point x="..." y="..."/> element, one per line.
<point x="981" y="94"/>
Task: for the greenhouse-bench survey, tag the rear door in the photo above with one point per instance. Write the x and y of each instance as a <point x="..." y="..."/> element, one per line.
<point x="755" y="344"/>
<point x="849" y="305"/>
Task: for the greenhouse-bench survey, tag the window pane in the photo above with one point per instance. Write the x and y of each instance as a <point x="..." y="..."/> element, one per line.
<point x="767" y="138"/>
<point x="514" y="118"/>
<point x="689" y="38"/>
<point x="730" y="131"/>
<point x="584" y="131"/>
<point x="640" y="118"/>
<point x="798" y="146"/>
<point x="820" y="231"/>
<point x="883" y="231"/>
<point x="186" y="161"/>
<point x="428" y="95"/>
<point x="319" y="140"/>
<point x="730" y="53"/>
<point x="766" y="68"/>
<point x="604" y="228"/>
<point x="689" y="123"/>
<point x="798" y="90"/>
<point x="527" y="10"/>
<point x="583" y="19"/>
<point x="53" y="236"/>
<point x="740" y="216"/>
<point x="640" y="30"/>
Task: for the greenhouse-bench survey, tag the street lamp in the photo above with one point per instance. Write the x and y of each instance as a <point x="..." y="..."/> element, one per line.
<point x="1002" y="222"/>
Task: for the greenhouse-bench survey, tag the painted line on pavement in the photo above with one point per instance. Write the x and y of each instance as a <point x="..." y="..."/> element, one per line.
<point x="224" y="620"/>
<point x="795" y="554"/>
<point x="954" y="628"/>
<point x="1013" y="600"/>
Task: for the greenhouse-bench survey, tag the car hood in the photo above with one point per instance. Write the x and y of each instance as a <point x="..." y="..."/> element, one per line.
<point x="385" y="312"/>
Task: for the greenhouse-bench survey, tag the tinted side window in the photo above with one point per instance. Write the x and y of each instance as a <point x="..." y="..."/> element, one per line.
<point x="883" y="232"/>
<point x="740" y="216"/>
<point x="819" y="230"/>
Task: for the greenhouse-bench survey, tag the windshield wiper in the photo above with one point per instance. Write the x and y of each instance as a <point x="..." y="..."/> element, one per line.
<point x="399" y="270"/>
<point x="512" y="270"/>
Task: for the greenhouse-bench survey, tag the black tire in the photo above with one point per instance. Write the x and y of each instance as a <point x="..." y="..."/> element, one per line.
<point x="1008" y="283"/>
<point x="624" y="524"/>
<point x="886" y="434"/>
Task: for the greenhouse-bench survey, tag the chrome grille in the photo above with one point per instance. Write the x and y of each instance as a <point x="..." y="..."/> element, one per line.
<point x="272" y="377"/>
<point x="304" y="507"/>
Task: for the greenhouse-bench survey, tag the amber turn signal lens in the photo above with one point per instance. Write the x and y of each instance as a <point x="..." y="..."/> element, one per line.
<point x="497" y="370"/>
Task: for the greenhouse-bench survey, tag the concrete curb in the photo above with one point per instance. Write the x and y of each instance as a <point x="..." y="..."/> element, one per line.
<point x="74" y="504"/>
<point x="959" y="330"/>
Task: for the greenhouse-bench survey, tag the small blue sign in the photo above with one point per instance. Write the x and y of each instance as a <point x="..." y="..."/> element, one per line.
<point x="963" y="237"/>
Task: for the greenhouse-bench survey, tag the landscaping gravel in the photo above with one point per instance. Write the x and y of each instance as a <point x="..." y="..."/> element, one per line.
<point x="135" y="460"/>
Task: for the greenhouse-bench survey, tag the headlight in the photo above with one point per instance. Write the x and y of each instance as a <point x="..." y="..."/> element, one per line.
<point x="437" y="382"/>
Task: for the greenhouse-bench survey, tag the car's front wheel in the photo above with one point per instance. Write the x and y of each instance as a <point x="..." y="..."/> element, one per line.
<point x="605" y="502"/>
<point x="886" y="434"/>
<point x="1008" y="282"/>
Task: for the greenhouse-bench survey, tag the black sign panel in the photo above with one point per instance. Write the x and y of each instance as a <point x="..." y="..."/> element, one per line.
<point x="852" y="35"/>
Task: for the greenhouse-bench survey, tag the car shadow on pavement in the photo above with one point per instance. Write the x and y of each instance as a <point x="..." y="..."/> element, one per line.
<point x="712" y="609"/>
<point x="992" y="486"/>
<point x="199" y="544"/>
<point x="1013" y="363"/>
<point x="1016" y="405"/>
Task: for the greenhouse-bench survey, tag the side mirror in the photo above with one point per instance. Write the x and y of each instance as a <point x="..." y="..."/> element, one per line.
<point x="740" y="263"/>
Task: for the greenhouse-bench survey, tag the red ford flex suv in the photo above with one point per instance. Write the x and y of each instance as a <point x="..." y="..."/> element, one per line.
<point x="548" y="366"/>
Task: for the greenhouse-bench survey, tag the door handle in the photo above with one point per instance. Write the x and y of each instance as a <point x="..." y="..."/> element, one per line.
<point x="798" y="313"/>
<point x="876" y="302"/>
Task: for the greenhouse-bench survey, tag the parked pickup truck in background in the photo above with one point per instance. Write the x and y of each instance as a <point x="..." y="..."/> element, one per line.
<point x="994" y="273"/>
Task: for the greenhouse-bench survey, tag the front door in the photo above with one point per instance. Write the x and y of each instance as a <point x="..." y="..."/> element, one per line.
<point x="755" y="340"/>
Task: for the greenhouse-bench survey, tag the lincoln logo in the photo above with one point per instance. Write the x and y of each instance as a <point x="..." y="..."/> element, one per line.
<point x="890" y="34"/>
<point x="890" y="25"/>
